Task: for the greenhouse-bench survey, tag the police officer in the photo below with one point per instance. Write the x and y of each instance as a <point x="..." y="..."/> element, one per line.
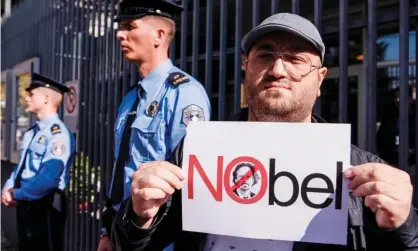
<point x="35" y="186"/>
<point x="153" y="116"/>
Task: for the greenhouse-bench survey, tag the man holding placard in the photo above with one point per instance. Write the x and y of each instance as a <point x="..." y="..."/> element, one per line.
<point x="303" y="200"/>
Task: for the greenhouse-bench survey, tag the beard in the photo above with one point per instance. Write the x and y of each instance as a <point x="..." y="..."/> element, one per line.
<point x="278" y="106"/>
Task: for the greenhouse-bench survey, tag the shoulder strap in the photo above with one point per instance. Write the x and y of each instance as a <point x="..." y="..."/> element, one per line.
<point x="178" y="78"/>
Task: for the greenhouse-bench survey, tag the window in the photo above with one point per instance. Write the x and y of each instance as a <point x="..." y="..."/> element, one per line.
<point x="22" y="117"/>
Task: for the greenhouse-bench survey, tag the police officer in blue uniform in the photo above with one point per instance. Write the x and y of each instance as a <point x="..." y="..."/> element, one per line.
<point x="37" y="183"/>
<point x="153" y="116"/>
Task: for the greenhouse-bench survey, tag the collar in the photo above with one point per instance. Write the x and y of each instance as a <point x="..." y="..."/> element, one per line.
<point x="243" y="116"/>
<point x="46" y="121"/>
<point x="151" y="83"/>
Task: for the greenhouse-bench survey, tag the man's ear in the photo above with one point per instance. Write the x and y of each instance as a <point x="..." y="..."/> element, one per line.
<point x="244" y="61"/>
<point x="322" y="72"/>
<point x="159" y="38"/>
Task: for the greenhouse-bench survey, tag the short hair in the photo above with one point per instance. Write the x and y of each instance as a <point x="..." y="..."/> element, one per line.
<point x="168" y="22"/>
<point x="245" y="164"/>
<point x="54" y="96"/>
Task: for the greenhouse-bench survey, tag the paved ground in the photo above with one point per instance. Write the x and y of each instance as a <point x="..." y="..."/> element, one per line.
<point x="6" y="245"/>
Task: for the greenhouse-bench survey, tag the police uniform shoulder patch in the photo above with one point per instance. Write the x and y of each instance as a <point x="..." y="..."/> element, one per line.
<point x="55" y="129"/>
<point x="58" y="148"/>
<point x="192" y="113"/>
<point x="178" y="78"/>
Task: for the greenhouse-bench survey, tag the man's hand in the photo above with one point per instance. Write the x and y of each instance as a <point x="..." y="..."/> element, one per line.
<point x="387" y="192"/>
<point x="105" y="244"/>
<point x="152" y="184"/>
<point x="7" y="198"/>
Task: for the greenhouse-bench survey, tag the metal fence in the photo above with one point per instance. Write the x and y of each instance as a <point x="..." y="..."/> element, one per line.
<point x="75" y="39"/>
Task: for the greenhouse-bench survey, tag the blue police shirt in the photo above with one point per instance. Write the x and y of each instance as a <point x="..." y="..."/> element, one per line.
<point x="50" y="147"/>
<point x="155" y="134"/>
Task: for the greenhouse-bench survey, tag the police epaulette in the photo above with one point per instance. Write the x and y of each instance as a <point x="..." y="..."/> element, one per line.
<point x="55" y="129"/>
<point x="178" y="78"/>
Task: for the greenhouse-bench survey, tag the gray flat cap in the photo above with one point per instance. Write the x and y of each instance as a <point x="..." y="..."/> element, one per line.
<point x="287" y="22"/>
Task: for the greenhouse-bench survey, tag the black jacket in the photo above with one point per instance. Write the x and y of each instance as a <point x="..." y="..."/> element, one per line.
<point x="363" y="233"/>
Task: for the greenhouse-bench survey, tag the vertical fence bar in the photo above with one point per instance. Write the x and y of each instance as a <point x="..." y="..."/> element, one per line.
<point x="119" y="74"/>
<point x="74" y="189"/>
<point x="172" y="50"/>
<point x="50" y="29"/>
<point x="67" y="44"/>
<point x="92" y="115"/>
<point x="184" y="31"/>
<point x="133" y="74"/>
<point x="58" y="45"/>
<point x="256" y="12"/>
<point x="195" y="54"/>
<point x="237" y="55"/>
<point x="69" y="76"/>
<point x="87" y="116"/>
<point x="209" y="48"/>
<point x="98" y="121"/>
<point x="38" y="30"/>
<point x="295" y="6"/>
<point x="371" y="75"/>
<point x="343" y="69"/>
<point x="403" y="84"/>
<point x="222" y="60"/>
<point x="42" y="33"/>
<point x="113" y="92"/>
<point x="318" y="25"/>
<point x="82" y="116"/>
<point x="55" y="16"/>
<point x="416" y="112"/>
<point x="126" y="83"/>
<point x="106" y="148"/>
<point x="274" y="6"/>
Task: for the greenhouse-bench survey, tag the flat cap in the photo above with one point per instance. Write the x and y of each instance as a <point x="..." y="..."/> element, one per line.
<point x="287" y="22"/>
<point x="135" y="9"/>
<point x="38" y="80"/>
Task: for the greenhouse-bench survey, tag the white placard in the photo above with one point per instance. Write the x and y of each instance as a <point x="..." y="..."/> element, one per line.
<point x="290" y="173"/>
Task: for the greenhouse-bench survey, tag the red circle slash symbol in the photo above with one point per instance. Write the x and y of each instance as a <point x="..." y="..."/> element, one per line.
<point x="71" y="100"/>
<point x="263" y="180"/>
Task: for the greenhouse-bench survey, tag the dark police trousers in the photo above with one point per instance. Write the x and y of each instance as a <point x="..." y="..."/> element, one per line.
<point x="40" y="225"/>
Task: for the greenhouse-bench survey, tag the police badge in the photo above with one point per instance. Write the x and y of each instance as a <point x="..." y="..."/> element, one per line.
<point x="192" y="113"/>
<point x="58" y="148"/>
<point x="41" y="139"/>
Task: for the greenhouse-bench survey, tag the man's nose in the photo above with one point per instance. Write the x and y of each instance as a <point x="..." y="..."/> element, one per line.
<point x="121" y="35"/>
<point x="278" y="68"/>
